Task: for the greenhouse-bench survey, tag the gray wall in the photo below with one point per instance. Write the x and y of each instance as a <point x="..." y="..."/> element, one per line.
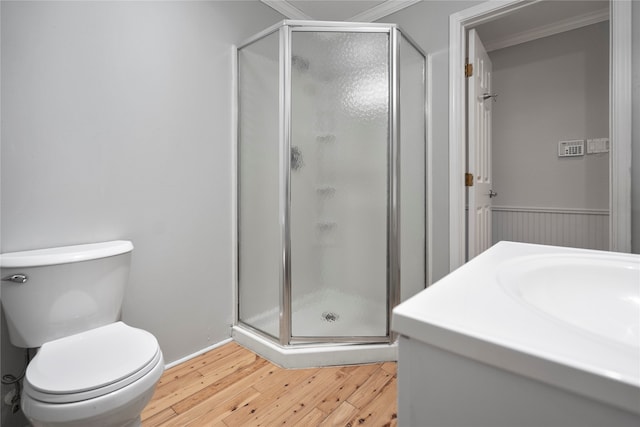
<point x="635" y="118"/>
<point x="549" y="90"/>
<point x="427" y="23"/>
<point x="116" y="124"/>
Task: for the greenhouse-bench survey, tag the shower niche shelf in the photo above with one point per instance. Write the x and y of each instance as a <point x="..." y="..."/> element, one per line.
<point x="326" y="138"/>
<point x="326" y="191"/>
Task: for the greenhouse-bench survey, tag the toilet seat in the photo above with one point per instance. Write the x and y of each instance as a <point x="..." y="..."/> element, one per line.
<point x="91" y="364"/>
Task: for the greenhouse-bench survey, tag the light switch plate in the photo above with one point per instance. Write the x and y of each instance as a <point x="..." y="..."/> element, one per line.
<point x="597" y="145"/>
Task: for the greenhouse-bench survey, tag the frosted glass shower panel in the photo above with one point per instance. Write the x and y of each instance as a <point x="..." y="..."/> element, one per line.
<point x="339" y="183"/>
<point x="259" y="237"/>
<point x="412" y="169"/>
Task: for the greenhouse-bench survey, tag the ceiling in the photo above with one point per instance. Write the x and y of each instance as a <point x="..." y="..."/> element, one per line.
<point x="539" y="19"/>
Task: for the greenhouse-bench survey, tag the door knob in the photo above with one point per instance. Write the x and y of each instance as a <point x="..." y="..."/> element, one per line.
<point x="492" y="194"/>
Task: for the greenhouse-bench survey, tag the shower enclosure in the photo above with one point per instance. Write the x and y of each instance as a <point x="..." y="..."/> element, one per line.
<point x="330" y="185"/>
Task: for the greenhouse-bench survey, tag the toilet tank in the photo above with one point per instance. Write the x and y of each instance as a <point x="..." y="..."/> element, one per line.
<point x="67" y="290"/>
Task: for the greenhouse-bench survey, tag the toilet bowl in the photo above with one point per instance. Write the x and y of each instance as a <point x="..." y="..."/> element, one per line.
<point x="91" y="369"/>
<point x="104" y="376"/>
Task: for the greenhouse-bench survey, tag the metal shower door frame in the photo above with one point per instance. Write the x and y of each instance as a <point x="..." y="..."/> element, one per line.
<point x="285" y="31"/>
<point x="286" y="315"/>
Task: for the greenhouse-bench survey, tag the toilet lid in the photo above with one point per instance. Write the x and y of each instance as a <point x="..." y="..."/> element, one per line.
<point x="85" y="363"/>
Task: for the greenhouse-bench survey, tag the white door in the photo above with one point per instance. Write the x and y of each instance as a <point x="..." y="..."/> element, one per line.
<point x="480" y="193"/>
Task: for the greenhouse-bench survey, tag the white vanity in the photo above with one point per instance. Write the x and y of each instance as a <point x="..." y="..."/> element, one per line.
<point x="524" y="335"/>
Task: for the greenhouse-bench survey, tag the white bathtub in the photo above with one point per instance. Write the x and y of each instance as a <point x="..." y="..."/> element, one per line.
<point x="524" y="335"/>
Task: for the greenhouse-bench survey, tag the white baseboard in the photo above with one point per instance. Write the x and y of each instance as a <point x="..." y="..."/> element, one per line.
<point x="197" y="353"/>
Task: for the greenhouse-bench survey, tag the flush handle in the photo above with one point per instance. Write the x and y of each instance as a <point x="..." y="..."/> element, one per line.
<point x="16" y="278"/>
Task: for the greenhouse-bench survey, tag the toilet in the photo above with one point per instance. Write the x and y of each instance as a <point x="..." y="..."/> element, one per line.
<point x="91" y="369"/>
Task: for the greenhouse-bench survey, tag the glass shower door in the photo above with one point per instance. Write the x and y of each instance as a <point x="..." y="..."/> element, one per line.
<point x="339" y="185"/>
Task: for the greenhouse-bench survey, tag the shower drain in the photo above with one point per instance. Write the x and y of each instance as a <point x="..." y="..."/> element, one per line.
<point x="329" y="316"/>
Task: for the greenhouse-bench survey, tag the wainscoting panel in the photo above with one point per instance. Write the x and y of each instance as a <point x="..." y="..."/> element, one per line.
<point x="578" y="228"/>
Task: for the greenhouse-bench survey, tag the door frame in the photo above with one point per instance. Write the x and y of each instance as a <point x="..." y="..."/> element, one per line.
<point x="619" y="119"/>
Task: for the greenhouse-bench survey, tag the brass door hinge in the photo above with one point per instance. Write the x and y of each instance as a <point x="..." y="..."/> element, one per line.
<point x="468" y="70"/>
<point x="468" y="180"/>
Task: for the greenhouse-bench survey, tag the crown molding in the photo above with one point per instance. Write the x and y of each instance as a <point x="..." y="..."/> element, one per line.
<point x="371" y="15"/>
<point x="382" y="10"/>
<point x="287" y="9"/>
<point x="549" y="30"/>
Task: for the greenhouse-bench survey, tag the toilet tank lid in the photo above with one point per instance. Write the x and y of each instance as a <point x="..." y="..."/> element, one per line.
<point x="65" y="254"/>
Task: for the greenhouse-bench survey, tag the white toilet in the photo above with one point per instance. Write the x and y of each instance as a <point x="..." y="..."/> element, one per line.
<point x="90" y="369"/>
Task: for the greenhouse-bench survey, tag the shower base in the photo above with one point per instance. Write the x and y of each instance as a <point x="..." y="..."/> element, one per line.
<point x="326" y="313"/>
<point x="316" y="355"/>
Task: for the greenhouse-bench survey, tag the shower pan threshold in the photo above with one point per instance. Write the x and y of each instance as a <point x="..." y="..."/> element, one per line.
<point x="311" y="356"/>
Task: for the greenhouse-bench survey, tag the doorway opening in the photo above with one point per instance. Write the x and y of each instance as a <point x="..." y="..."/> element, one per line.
<point x="619" y="123"/>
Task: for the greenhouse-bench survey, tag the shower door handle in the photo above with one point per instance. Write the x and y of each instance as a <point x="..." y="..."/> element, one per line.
<point x="296" y="158"/>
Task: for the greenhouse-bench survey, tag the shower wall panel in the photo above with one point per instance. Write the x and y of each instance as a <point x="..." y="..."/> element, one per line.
<point x="259" y="236"/>
<point x="412" y="75"/>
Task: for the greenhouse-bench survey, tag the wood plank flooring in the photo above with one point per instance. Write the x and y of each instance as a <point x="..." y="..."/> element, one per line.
<point x="231" y="386"/>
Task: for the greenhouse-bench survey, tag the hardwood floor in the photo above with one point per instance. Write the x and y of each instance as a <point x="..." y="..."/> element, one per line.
<point x="231" y="386"/>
